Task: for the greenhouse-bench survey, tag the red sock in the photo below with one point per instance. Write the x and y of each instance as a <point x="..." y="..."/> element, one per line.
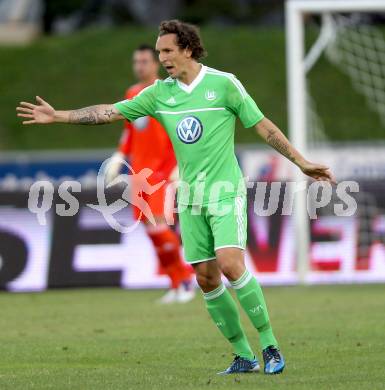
<point x="166" y="243"/>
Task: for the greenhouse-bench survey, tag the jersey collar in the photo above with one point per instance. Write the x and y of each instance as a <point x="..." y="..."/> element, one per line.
<point x="189" y="88"/>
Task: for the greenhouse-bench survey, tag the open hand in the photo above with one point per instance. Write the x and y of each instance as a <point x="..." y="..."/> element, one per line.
<point x="41" y="113"/>
<point x="318" y="172"/>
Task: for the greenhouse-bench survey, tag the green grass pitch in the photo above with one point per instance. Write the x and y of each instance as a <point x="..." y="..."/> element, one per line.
<point x="332" y="338"/>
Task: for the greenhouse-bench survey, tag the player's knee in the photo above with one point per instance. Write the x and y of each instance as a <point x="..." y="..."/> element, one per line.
<point x="228" y="271"/>
<point x="232" y="270"/>
<point x="230" y="262"/>
<point x="208" y="282"/>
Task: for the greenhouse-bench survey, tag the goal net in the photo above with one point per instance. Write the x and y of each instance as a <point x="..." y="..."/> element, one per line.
<point x="336" y="100"/>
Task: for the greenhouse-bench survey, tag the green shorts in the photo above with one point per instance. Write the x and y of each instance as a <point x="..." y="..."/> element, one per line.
<point x="204" y="229"/>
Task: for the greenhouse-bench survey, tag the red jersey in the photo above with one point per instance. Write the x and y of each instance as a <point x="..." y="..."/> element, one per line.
<point x="147" y="144"/>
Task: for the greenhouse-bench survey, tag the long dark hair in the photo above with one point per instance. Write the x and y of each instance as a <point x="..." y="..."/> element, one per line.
<point x="188" y="36"/>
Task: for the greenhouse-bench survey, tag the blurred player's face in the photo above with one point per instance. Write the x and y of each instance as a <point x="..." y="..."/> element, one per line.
<point x="145" y="67"/>
<point x="171" y="56"/>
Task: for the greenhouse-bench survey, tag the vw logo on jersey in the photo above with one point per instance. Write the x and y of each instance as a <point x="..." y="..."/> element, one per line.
<point x="189" y="129"/>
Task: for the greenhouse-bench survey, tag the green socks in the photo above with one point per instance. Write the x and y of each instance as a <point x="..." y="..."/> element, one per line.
<point x="251" y="298"/>
<point x="224" y="312"/>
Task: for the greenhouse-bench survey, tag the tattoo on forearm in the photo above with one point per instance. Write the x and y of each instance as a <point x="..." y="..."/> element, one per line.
<point x="108" y="113"/>
<point x="91" y="116"/>
<point x="279" y="145"/>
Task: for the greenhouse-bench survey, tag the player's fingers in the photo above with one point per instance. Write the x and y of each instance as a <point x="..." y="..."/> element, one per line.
<point x="319" y="170"/>
<point x="26" y="115"/>
<point x="25" y="110"/>
<point x="329" y="177"/>
<point x="29" y="122"/>
<point x="322" y="171"/>
<point x="333" y="179"/>
<point x="320" y="167"/>
<point x="320" y="177"/>
<point x="41" y="101"/>
<point x="26" y="104"/>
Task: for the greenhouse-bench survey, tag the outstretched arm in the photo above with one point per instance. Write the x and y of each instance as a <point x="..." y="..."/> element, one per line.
<point x="44" y="113"/>
<point x="275" y="138"/>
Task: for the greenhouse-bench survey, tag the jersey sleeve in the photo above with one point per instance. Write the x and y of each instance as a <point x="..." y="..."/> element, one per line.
<point x="242" y="104"/>
<point x="141" y="105"/>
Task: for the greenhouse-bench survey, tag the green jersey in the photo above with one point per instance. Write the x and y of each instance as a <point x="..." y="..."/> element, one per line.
<point x="200" y="121"/>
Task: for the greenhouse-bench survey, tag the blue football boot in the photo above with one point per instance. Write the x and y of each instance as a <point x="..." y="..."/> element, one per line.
<point x="241" y="365"/>
<point x="273" y="359"/>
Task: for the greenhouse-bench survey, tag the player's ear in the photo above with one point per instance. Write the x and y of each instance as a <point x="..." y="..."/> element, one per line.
<point x="188" y="52"/>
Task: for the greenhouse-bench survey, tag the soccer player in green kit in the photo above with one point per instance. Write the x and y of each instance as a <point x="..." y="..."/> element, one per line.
<point x="198" y="106"/>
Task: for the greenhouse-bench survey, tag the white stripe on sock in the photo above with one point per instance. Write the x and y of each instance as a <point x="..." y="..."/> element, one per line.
<point x="242" y="281"/>
<point x="215" y="293"/>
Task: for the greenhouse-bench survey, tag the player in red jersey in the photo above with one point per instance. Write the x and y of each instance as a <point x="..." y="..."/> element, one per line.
<point x="145" y="144"/>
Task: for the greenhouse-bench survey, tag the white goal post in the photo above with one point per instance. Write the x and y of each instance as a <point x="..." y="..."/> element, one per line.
<point x="295" y="11"/>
